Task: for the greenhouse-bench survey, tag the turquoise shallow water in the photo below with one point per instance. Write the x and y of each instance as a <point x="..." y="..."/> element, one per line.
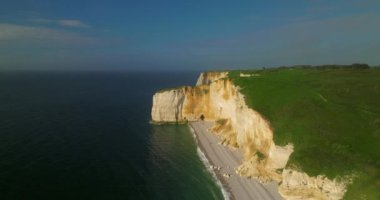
<point x="85" y="135"/>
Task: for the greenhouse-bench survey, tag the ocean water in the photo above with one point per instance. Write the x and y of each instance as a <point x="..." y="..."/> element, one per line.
<point x="86" y="135"/>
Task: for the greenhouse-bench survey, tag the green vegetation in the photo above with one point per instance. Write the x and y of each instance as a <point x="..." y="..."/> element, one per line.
<point x="260" y="155"/>
<point x="330" y="114"/>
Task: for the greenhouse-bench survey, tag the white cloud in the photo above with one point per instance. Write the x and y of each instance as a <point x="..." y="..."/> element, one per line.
<point x="19" y="34"/>
<point x="74" y="23"/>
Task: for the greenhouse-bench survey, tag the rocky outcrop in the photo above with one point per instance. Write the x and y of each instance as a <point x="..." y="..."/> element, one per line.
<point x="216" y="98"/>
<point x="298" y="185"/>
<point x="206" y="78"/>
<point x="167" y="105"/>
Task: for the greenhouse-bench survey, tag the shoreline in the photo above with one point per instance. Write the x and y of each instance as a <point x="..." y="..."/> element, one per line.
<point x="222" y="161"/>
<point x="226" y="190"/>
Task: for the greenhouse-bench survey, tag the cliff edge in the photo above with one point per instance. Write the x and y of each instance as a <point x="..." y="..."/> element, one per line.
<point x="215" y="98"/>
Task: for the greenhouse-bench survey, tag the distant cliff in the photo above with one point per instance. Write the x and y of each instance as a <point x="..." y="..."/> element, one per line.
<point x="216" y="98"/>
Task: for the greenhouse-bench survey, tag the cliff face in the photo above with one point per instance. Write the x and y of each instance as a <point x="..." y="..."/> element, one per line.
<point x="182" y="104"/>
<point x="167" y="105"/>
<point x="217" y="99"/>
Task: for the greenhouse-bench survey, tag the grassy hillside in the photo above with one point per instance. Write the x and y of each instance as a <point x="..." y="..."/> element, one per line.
<point x="332" y="116"/>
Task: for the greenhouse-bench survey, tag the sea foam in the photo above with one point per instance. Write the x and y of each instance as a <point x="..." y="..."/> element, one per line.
<point x="206" y="162"/>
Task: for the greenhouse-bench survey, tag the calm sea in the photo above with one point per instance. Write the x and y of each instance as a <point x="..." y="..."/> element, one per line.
<point x="86" y="135"/>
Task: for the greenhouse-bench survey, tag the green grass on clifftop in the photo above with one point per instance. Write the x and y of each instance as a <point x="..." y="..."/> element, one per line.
<point x="332" y="116"/>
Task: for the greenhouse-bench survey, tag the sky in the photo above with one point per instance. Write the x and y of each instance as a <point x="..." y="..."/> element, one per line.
<point x="187" y="34"/>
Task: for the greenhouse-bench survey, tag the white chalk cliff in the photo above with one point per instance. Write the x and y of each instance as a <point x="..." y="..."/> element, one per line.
<point x="217" y="99"/>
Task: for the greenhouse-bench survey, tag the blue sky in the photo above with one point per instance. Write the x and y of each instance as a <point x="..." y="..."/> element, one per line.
<point x="198" y="35"/>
